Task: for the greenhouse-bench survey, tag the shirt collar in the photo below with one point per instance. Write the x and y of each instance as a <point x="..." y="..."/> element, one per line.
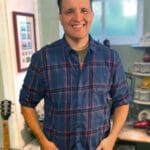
<point x="68" y="49"/>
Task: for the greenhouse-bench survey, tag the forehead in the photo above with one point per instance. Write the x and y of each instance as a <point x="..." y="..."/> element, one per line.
<point x="75" y="3"/>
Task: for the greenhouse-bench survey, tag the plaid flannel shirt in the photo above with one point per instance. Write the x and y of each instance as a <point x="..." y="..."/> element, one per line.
<point x="78" y="103"/>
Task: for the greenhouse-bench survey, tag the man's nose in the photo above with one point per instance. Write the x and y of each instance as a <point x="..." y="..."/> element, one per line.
<point x="78" y="16"/>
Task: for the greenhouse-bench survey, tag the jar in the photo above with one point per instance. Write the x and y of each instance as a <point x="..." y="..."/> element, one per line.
<point x="145" y="67"/>
<point x="137" y="94"/>
<point x="136" y="67"/>
<point x="145" y="95"/>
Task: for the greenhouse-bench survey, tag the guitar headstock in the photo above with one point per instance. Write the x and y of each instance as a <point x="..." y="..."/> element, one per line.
<point x="5" y="106"/>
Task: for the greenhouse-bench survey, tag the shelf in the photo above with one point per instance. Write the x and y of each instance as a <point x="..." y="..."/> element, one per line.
<point x="140" y="46"/>
<point x="141" y="102"/>
<point x="141" y="74"/>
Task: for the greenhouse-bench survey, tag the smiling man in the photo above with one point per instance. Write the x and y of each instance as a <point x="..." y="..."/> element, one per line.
<point x="82" y="82"/>
<point x="76" y="18"/>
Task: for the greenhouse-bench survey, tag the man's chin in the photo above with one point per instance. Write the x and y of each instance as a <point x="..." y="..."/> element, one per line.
<point x="79" y="37"/>
<point x="76" y="36"/>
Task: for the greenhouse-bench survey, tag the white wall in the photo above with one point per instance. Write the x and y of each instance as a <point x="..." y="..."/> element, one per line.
<point x="12" y="80"/>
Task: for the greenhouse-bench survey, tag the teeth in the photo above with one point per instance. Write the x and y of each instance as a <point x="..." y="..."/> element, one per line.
<point x="78" y="26"/>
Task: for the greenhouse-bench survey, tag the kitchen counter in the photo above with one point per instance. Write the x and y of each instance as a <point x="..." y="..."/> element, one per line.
<point x="128" y="133"/>
<point x="33" y="145"/>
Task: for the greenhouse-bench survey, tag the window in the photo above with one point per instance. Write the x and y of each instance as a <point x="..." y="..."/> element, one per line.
<point x="118" y="20"/>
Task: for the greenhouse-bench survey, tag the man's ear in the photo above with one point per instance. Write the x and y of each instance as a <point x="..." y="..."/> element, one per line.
<point x="60" y="18"/>
<point x="92" y="15"/>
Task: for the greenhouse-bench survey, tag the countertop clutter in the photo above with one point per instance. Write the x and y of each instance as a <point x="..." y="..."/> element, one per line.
<point x="131" y="134"/>
<point x="33" y="145"/>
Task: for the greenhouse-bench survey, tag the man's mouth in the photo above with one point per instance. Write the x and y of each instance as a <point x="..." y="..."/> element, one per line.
<point x="78" y="26"/>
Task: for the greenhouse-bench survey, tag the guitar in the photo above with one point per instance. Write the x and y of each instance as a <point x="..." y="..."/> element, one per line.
<point x="5" y="113"/>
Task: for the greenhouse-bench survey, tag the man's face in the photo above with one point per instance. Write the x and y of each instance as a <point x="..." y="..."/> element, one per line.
<point x="76" y="18"/>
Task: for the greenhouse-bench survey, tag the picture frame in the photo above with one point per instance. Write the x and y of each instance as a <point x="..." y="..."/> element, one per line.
<point x="25" y="38"/>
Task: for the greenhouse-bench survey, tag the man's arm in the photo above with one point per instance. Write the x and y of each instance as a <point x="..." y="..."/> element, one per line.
<point x="119" y="118"/>
<point x="31" y="119"/>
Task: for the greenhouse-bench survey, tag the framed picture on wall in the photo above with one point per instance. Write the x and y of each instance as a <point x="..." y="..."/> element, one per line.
<point x="25" y="38"/>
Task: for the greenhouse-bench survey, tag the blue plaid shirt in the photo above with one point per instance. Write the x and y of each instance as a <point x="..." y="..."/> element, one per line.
<point x="78" y="103"/>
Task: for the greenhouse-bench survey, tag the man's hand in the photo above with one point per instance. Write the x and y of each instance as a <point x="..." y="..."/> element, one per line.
<point x="48" y="146"/>
<point x="30" y="116"/>
<point x="106" y="144"/>
<point x="119" y="117"/>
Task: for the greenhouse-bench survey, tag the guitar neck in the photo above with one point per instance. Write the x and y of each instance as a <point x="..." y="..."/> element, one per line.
<point x="6" y="141"/>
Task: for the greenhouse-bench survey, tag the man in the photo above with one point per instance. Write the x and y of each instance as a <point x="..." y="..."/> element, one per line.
<point x="76" y="76"/>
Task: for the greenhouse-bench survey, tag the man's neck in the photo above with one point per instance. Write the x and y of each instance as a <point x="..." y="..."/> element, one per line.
<point x="78" y="44"/>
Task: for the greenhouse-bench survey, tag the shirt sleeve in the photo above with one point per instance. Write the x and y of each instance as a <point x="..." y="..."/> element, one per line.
<point x="120" y="93"/>
<point x="34" y="86"/>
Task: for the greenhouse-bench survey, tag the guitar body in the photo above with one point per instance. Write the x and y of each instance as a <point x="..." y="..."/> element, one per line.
<point x="5" y="113"/>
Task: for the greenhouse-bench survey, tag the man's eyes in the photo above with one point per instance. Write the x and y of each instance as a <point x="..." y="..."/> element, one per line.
<point x="71" y="11"/>
<point x="84" y="10"/>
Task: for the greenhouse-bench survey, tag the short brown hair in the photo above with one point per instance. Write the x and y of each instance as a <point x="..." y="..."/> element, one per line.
<point x="60" y="1"/>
